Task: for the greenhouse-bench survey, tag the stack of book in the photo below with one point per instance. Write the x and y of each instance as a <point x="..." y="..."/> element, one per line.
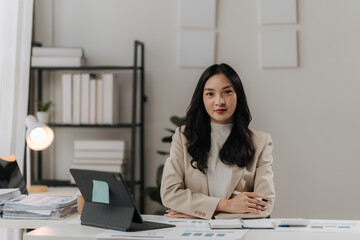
<point x="102" y="155"/>
<point x="37" y="206"/>
<point x="57" y="57"/>
<point x="89" y="99"/>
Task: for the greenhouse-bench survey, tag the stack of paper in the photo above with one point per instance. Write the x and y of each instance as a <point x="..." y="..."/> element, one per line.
<point x="102" y="155"/>
<point x="39" y="207"/>
<point x="7" y="194"/>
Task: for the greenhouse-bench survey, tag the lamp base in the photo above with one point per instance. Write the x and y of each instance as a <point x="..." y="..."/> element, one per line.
<point x="36" y="188"/>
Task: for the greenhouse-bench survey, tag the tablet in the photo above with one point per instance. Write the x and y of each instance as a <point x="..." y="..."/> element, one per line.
<point x="108" y="203"/>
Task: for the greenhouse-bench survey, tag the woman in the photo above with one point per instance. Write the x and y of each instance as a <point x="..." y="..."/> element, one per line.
<point x="218" y="166"/>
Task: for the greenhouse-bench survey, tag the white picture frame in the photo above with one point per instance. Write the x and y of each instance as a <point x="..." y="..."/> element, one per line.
<point x="197" y="48"/>
<point x="278" y="11"/>
<point x="279" y="48"/>
<point x="198" y="13"/>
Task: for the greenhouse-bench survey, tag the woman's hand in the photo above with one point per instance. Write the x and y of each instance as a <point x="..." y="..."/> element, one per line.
<point x="242" y="203"/>
<point x="174" y="214"/>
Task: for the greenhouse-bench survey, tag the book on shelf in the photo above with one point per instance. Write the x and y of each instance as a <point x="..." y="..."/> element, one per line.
<point x="55" y="61"/>
<point x="118" y="145"/>
<point x="108" y="154"/>
<point x="92" y="103"/>
<point x="99" y="101"/>
<point x="58" y="51"/>
<point x="110" y="98"/>
<point x="101" y="167"/>
<point x="66" y="98"/>
<point x="85" y="97"/>
<point x="96" y="161"/>
<point x="76" y="97"/>
<point x="87" y="100"/>
<point x="121" y="168"/>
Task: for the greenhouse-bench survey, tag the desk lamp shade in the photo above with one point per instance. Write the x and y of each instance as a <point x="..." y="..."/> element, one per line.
<point x="38" y="135"/>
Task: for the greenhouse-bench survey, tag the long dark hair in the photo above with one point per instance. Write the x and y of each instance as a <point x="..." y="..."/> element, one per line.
<point x="238" y="148"/>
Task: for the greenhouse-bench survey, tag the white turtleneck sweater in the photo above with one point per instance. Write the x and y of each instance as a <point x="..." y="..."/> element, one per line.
<point x="218" y="174"/>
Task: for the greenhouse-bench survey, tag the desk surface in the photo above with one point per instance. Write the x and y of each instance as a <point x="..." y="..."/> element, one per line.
<point x="31" y="223"/>
<point x="77" y="231"/>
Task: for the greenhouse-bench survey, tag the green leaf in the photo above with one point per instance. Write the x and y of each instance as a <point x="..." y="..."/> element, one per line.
<point x="159" y="174"/>
<point x="163" y="153"/>
<point x="155" y="196"/>
<point x="46" y="106"/>
<point x="167" y="139"/>
<point x="153" y="193"/>
<point x="170" y="130"/>
<point x="160" y="212"/>
<point x="176" y="120"/>
<point x="43" y="107"/>
<point x="39" y="104"/>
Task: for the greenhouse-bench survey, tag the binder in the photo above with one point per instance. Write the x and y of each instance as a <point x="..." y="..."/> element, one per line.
<point x="108" y="203"/>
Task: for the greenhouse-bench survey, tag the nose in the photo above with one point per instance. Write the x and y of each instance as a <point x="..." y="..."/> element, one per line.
<point x="220" y="101"/>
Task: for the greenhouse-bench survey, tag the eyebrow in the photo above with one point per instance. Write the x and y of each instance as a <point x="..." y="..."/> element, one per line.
<point x="210" y="89"/>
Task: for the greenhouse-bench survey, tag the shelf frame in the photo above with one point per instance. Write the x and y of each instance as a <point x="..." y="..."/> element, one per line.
<point x="138" y="70"/>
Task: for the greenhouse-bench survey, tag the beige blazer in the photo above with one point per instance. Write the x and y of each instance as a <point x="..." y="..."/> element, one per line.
<point x="185" y="189"/>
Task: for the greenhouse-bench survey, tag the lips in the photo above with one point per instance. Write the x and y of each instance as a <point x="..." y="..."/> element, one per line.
<point x="220" y="111"/>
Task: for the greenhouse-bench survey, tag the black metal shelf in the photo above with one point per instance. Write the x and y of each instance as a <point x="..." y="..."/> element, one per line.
<point x="67" y="183"/>
<point x="138" y="70"/>
<point x="87" y="68"/>
<point x="119" y="125"/>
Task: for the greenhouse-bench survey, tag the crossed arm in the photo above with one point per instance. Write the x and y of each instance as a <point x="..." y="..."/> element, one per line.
<point x="241" y="203"/>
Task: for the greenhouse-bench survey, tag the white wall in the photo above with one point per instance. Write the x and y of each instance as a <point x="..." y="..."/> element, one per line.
<point x="311" y="111"/>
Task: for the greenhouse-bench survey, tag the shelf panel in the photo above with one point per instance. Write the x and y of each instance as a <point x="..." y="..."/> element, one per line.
<point x="90" y="68"/>
<point x="66" y="183"/>
<point x="119" y="125"/>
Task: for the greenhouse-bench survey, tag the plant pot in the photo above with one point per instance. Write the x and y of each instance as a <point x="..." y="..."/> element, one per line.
<point x="43" y="117"/>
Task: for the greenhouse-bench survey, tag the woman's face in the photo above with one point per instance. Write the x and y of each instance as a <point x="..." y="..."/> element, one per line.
<point x="219" y="99"/>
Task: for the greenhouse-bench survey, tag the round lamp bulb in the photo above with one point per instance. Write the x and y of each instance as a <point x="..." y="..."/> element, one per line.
<point x="38" y="135"/>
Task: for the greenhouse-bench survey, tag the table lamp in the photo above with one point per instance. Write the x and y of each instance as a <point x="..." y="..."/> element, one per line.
<point x="39" y="136"/>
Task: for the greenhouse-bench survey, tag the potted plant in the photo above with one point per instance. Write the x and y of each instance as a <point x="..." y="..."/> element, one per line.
<point x="154" y="192"/>
<point x="42" y="113"/>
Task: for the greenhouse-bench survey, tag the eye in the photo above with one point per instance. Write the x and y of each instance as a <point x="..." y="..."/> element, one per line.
<point x="228" y="91"/>
<point x="209" y="94"/>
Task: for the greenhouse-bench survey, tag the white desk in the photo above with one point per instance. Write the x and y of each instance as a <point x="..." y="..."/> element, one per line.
<point x="75" y="231"/>
<point x="31" y="224"/>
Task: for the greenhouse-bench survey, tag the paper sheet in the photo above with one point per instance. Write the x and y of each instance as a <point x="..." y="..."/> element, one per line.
<point x="175" y="233"/>
<point x="180" y="222"/>
<point x="317" y="225"/>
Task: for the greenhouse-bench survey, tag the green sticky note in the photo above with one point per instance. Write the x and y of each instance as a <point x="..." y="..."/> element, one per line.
<point x="100" y="192"/>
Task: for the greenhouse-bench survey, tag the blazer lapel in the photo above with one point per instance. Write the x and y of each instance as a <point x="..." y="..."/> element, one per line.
<point x="237" y="174"/>
<point x="199" y="179"/>
<point x="204" y="183"/>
